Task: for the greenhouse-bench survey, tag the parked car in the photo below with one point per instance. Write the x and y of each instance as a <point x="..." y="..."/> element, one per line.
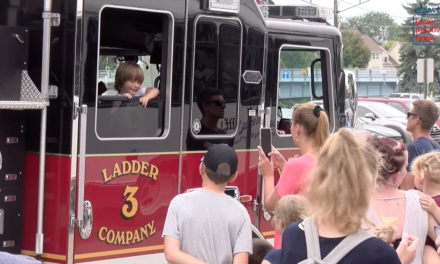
<point x="376" y="113"/>
<point x="380" y="113"/>
<point x="378" y="130"/>
<point x="405" y="95"/>
<point x="401" y="104"/>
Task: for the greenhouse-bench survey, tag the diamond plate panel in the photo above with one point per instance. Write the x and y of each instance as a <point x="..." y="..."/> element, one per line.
<point x="30" y="97"/>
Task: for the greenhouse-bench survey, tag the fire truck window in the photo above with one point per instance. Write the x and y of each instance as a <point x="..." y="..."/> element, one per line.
<point x="133" y="83"/>
<point x="216" y="81"/>
<point x="295" y="79"/>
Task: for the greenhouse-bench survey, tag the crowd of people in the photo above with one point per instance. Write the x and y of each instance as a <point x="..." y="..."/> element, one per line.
<point x="347" y="199"/>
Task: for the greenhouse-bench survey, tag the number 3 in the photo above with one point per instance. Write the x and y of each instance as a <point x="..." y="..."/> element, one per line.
<point x="130" y="202"/>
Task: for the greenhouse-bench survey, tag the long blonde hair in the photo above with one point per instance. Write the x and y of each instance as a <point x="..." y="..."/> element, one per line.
<point x="316" y="124"/>
<point x="343" y="181"/>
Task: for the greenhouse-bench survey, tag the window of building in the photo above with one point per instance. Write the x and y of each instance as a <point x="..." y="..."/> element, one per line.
<point x="384" y="59"/>
<point x="308" y="79"/>
<point x="134" y="74"/>
<point x="216" y="79"/>
<point x="374" y="56"/>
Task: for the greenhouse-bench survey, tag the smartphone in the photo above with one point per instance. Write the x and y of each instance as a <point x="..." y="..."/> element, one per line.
<point x="266" y="140"/>
<point x="437" y="230"/>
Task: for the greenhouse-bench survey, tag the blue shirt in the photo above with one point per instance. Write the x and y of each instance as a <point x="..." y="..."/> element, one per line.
<point x="419" y="147"/>
<point x="274" y="256"/>
<point x="372" y="250"/>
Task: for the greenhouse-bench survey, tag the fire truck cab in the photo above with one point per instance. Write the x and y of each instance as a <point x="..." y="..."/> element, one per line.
<point x="86" y="173"/>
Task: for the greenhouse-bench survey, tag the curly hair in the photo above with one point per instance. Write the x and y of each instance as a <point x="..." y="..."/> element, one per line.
<point x="427" y="166"/>
<point x="393" y="157"/>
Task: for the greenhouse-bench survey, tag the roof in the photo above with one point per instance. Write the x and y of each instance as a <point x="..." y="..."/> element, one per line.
<point x="371" y="44"/>
<point x="390" y="59"/>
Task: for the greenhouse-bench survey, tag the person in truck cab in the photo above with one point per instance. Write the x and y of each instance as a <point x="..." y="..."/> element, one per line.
<point x="128" y="80"/>
<point x="212" y="106"/>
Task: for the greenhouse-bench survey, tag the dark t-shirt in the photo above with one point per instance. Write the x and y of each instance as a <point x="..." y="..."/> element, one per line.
<point x="419" y="147"/>
<point x="372" y="250"/>
<point x="274" y="256"/>
<point x="199" y="144"/>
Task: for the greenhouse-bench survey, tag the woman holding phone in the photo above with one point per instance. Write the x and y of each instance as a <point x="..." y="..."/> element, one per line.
<point x="309" y="129"/>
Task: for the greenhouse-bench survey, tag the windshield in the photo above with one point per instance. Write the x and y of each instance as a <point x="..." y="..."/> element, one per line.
<point x="387" y="111"/>
<point x="408" y="105"/>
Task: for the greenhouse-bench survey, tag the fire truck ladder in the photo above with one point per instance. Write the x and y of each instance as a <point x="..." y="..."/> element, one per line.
<point x="32" y="99"/>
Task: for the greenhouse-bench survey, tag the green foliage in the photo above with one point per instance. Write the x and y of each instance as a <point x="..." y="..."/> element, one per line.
<point x="409" y="53"/>
<point x="356" y="54"/>
<point x="295" y="59"/>
<point x="107" y="61"/>
<point x="388" y="45"/>
<point x="380" y="26"/>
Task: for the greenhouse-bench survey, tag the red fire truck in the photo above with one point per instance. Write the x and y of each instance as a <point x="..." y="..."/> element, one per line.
<point x="86" y="175"/>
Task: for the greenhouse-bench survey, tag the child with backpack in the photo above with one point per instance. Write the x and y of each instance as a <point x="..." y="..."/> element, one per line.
<point x="206" y="225"/>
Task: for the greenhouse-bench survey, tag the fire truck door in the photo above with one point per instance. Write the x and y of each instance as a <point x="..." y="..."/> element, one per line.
<point x="296" y="73"/>
<point x="129" y="132"/>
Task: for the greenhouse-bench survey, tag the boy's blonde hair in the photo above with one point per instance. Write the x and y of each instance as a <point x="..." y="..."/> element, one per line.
<point x="291" y="208"/>
<point x="343" y="182"/>
<point x="428" y="166"/>
<point x="128" y="71"/>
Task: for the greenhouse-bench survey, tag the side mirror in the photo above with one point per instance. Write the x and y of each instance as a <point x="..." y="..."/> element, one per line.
<point x="370" y="116"/>
<point x="351" y="100"/>
<point x="284" y="126"/>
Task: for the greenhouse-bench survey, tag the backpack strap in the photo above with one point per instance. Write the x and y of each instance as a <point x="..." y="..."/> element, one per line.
<point x="346" y="245"/>
<point x="312" y="239"/>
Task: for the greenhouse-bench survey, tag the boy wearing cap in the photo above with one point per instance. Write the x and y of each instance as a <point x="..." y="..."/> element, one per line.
<point x="206" y="225"/>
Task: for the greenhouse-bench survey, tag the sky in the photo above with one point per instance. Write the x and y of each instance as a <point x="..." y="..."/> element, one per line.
<point x="392" y="7"/>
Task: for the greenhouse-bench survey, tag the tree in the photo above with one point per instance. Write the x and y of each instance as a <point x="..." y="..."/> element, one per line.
<point x="389" y="44"/>
<point x="107" y="61"/>
<point x="380" y="26"/>
<point x="356" y="54"/>
<point x="410" y="53"/>
<point x="291" y="59"/>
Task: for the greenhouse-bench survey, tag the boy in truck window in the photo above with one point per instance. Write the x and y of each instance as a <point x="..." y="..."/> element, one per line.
<point x="206" y="225"/>
<point x="128" y="80"/>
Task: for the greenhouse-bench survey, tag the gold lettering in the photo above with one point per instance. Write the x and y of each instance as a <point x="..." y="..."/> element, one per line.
<point x="110" y="237"/>
<point x="102" y="230"/>
<point x="152" y="228"/>
<point x="144" y="232"/>
<point x="120" y="238"/>
<point x="129" y="237"/>
<point x="135" y="164"/>
<point x="104" y="175"/>
<point x="126" y="168"/>
<point x="136" y="238"/>
<point x="144" y="170"/>
<point x="153" y="172"/>
<point x="116" y="171"/>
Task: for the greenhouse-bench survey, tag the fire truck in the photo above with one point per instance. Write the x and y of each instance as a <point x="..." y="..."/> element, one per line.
<point x="86" y="176"/>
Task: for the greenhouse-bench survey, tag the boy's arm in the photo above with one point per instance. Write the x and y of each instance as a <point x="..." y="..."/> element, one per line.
<point x="151" y="93"/>
<point x="241" y="258"/>
<point x="174" y="255"/>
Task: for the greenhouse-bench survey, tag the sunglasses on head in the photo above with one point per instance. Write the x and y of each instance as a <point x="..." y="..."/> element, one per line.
<point x="218" y="102"/>
<point x="408" y="114"/>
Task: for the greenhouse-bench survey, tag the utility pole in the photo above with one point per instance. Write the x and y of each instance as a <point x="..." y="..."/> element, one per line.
<point x="335" y="13"/>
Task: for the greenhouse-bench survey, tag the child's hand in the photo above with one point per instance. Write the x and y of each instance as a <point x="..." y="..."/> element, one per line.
<point x="128" y="95"/>
<point x="144" y="101"/>
<point x="428" y="204"/>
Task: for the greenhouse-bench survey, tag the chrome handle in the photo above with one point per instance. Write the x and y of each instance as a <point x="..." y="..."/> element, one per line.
<point x="82" y="166"/>
<point x="2" y="221"/>
<point x="86" y="229"/>
<point x="1" y="160"/>
<point x="19" y="38"/>
<point x="267" y="117"/>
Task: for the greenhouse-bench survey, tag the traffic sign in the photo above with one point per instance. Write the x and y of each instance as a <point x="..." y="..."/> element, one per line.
<point x="285" y="74"/>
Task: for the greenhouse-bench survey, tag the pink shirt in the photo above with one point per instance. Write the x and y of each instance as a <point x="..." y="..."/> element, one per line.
<point x="292" y="181"/>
